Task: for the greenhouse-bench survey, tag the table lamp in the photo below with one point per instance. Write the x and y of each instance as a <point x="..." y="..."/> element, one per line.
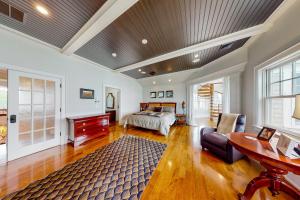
<point x="296" y="115"/>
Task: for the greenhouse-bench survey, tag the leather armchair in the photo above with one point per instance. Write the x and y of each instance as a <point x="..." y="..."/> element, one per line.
<point x="218" y="144"/>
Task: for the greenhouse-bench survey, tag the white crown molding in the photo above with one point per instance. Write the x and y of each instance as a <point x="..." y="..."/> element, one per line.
<point x="98" y="66"/>
<point x="101" y="67"/>
<point x="245" y="33"/>
<point x="287" y="55"/>
<point x="108" y="13"/>
<point x="282" y="8"/>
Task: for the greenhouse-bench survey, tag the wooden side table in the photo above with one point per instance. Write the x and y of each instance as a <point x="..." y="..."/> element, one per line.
<point x="180" y="119"/>
<point x="276" y="164"/>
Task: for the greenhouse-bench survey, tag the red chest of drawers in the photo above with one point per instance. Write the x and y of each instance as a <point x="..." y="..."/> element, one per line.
<point x="84" y="128"/>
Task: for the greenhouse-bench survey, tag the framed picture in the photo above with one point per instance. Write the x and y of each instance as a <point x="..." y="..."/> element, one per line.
<point x="160" y="94"/>
<point x="169" y="94"/>
<point x="286" y="145"/>
<point x="266" y="133"/>
<point x="86" y="93"/>
<point x="152" y="94"/>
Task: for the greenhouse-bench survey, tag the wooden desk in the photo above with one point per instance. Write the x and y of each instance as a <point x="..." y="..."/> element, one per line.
<point x="276" y="164"/>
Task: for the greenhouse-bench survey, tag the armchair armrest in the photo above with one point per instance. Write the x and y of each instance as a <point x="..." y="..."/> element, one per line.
<point x="207" y="130"/>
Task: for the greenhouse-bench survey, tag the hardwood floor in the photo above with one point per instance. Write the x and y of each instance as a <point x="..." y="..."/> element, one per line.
<point x="184" y="172"/>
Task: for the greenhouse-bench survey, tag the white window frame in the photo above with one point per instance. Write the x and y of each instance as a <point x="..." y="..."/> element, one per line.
<point x="260" y="80"/>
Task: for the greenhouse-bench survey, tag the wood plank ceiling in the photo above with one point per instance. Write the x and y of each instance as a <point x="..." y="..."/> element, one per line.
<point x="184" y="62"/>
<point x="65" y="19"/>
<point x="169" y="25"/>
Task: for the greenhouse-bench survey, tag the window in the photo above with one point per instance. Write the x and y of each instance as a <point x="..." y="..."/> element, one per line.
<point x="282" y="83"/>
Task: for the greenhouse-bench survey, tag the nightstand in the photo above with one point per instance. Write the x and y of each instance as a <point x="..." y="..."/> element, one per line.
<point x="180" y="119"/>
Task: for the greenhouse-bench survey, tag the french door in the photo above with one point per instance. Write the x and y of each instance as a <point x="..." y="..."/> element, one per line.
<point x="33" y="113"/>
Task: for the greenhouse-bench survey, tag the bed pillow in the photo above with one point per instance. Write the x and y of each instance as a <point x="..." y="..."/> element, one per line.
<point x="157" y="109"/>
<point x="168" y="109"/>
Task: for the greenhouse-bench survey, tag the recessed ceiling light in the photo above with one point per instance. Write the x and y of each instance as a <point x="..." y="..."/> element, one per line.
<point x="42" y="10"/>
<point x="196" y="60"/>
<point x="143" y="72"/>
<point x="144" y="41"/>
<point x="114" y="55"/>
<point x="154" y="82"/>
<point x="170" y="80"/>
<point x="140" y="70"/>
<point x="196" y="55"/>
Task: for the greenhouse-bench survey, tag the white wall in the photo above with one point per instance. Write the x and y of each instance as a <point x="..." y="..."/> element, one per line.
<point x="179" y="94"/>
<point x="18" y="51"/>
<point x="284" y="34"/>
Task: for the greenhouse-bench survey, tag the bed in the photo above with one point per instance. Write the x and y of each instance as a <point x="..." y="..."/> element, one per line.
<point x="158" y="116"/>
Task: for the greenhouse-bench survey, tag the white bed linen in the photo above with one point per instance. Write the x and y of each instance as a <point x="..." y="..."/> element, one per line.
<point x="161" y="124"/>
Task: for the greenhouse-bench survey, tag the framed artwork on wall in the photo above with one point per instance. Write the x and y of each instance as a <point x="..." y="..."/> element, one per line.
<point x="169" y="94"/>
<point x="160" y="94"/>
<point x="86" y="93"/>
<point x="152" y="94"/>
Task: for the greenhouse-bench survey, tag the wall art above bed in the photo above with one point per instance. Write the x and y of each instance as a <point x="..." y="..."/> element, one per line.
<point x="152" y="94"/>
<point x="169" y="94"/>
<point x="160" y="94"/>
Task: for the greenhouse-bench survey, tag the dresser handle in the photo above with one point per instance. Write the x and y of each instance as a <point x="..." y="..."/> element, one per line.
<point x="83" y="124"/>
<point x="83" y="130"/>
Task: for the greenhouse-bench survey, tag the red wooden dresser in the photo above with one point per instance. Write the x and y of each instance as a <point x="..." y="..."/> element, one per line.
<point x="84" y="128"/>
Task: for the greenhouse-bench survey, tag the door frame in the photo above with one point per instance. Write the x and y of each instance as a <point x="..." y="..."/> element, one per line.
<point x="225" y="98"/>
<point x="63" y="123"/>
<point x="227" y="72"/>
<point x="104" y="86"/>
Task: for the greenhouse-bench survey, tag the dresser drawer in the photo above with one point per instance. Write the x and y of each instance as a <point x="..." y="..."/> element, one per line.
<point x="91" y="131"/>
<point x="87" y="123"/>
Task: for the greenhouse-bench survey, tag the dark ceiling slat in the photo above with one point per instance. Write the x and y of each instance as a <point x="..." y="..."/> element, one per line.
<point x="216" y="17"/>
<point x="170" y="25"/>
<point x="233" y="8"/>
<point x="257" y="7"/>
<point x="210" y="15"/>
<point x="185" y="62"/>
<point x="65" y="19"/>
<point x="244" y="11"/>
<point x="237" y="14"/>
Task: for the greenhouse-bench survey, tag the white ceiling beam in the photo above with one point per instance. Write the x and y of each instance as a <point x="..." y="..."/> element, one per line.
<point x="252" y="31"/>
<point x="108" y="12"/>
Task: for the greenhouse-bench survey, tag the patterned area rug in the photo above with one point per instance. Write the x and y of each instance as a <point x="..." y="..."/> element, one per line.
<point x="120" y="170"/>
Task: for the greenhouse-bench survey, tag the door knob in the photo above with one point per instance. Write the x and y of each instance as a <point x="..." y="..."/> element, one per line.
<point x="13" y="119"/>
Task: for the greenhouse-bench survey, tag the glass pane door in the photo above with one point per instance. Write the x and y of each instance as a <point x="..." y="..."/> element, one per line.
<point x="36" y="124"/>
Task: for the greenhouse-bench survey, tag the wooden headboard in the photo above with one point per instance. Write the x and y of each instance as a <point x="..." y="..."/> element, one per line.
<point x="144" y="106"/>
